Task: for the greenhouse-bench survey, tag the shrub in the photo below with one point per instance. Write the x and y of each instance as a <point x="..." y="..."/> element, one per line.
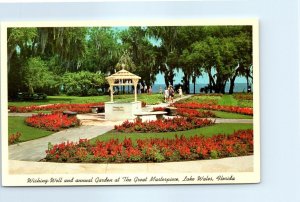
<point x="144" y="104"/>
<point x="14" y="138"/>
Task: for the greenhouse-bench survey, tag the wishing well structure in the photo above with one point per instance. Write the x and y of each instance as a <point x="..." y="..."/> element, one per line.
<point x="122" y="110"/>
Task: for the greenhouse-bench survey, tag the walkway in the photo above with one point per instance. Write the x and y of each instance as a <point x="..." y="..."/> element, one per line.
<point x="236" y="164"/>
<point x="93" y="125"/>
<point x="34" y="150"/>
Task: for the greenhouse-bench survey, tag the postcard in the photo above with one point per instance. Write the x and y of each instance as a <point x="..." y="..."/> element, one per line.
<point x="130" y="102"/>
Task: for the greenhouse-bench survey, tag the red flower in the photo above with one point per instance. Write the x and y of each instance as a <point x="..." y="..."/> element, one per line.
<point x="79" y="108"/>
<point x="155" y="149"/>
<point x="53" y="122"/>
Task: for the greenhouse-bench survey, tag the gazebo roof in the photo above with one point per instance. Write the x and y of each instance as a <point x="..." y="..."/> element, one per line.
<point x="123" y="74"/>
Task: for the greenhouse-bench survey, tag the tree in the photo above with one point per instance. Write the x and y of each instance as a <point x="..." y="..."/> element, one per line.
<point x="125" y="62"/>
<point x="141" y="48"/>
<point x="224" y="54"/>
<point x="168" y="54"/>
<point x="82" y="83"/>
<point x="36" y="74"/>
<point x="19" y="39"/>
<point x="103" y="50"/>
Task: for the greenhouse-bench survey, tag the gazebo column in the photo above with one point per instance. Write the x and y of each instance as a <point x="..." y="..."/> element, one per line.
<point x="111" y="93"/>
<point x="135" y="82"/>
<point x="111" y="82"/>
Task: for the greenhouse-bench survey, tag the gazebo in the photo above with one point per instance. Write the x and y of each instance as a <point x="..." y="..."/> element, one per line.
<point x="122" y="78"/>
<point x="122" y="110"/>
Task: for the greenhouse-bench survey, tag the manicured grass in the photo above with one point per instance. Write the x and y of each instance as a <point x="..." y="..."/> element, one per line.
<point x="16" y="124"/>
<point x="228" y="115"/>
<point x="209" y="131"/>
<point x="228" y="100"/>
<point x="203" y="98"/>
<point x="149" y="99"/>
<point x="245" y="103"/>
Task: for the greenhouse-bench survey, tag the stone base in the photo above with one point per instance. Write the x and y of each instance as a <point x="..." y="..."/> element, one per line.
<point x="116" y="111"/>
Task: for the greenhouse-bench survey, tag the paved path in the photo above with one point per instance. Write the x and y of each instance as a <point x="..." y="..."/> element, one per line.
<point x="218" y="120"/>
<point x="93" y="126"/>
<point x="150" y="107"/>
<point x="21" y="114"/>
<point x="235" y="164"/>
<point x="34" y="150"/>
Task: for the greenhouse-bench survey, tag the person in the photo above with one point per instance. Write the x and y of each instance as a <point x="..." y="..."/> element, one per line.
<point x="180" y="91"/>
<point x="166" y="94"/>
<point x="145" y="89"/>
<point x="171" y="94"/>
<point x="160" y="90"/>
<point x="140" y="88"/>
<point x="150" y="90"/>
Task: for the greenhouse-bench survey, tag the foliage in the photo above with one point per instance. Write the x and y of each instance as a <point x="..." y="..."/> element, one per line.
<point x="79" y="108"/>
<point x="17" y="124"/>
<point x="243" y="96"/>
<point x="163" y="125"/>
<point x="234" y="109"/>
<point x="14" y="138"/>
<point x="194" y="113"/>
<point x="81" y="83"/>
<point x="239" y="143"/>
<point x="36" y="74"/>
<point x="188" y="112"/>
<point x="52" y="122"/>
<point x="223" y="52"/>
<point x="103" y="50"/>
<point x="63" y="99"/>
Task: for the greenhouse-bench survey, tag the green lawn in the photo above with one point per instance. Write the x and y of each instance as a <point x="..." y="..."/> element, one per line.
<point x="228" y="115"/>
<point x="227" y="100"/>
<point x="245" y="103"/>
<point x="16" y="124"/>
<point x="221" y="128"/>
<point x="203" y="98"/>
<point x="149" y="99"/>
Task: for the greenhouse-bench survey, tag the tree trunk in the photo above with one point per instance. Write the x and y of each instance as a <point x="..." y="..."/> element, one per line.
<point x="212" y="83"/>
<point x="30" y="88"/>
<point x="247" y="78"/>
<point x="9" y="59"/>
<point x="186" y="84"/>
<point x="232" y="84"/>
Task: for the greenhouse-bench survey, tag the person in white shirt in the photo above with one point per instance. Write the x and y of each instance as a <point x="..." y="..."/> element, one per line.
<point x="166" y="94"/>
<point x="180" y="91"/>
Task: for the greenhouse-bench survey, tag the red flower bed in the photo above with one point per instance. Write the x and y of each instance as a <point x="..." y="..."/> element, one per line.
<point x="233" y="109"/>
<point x="154" y="150"/>
<point x="14" y="138"/>
<point x="79" y="108"/>
<point x="186" y="112"/>
<point x="243" y="96"/>
<point x="194" y="113"/>
<point x="163" y="125"/>
<point x="159" y="109"/>
<point x="52" y="122"/>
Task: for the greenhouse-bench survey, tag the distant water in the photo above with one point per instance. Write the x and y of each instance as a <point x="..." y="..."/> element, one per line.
<point x="238" y="87"/>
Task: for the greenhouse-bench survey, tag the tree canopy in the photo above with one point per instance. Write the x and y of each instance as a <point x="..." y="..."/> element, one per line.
<point x="63" y="59"/>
